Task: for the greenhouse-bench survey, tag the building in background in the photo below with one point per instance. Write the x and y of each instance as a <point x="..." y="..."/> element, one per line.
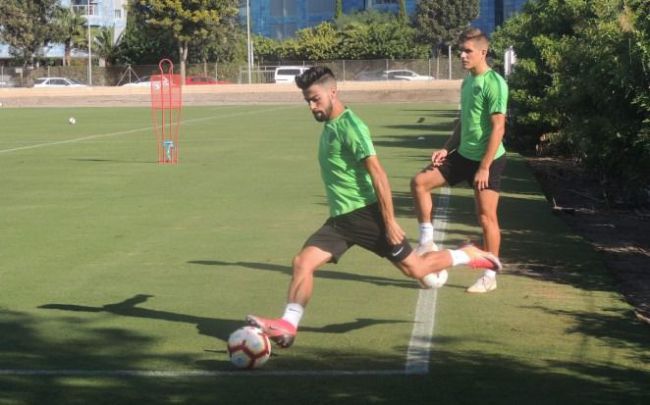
<point x="280" y="19"/>
<point x="101" y="13"/>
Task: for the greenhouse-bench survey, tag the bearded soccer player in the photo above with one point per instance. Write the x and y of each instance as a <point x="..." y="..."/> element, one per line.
<point x="474" y="153"/>
<point x="361" y="209"/>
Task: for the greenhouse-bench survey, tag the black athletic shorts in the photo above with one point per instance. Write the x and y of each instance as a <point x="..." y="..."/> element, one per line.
<point x="457" y="168"/>
<point x="364" y="227"/>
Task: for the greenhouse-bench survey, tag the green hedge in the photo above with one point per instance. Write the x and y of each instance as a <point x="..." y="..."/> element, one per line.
<point x="582" y="84"/>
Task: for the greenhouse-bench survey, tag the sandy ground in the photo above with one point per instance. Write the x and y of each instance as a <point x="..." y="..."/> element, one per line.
<point x="439" y="91"/>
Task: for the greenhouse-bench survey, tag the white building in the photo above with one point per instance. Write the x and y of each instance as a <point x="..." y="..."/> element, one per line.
<point x="100" y="13"/>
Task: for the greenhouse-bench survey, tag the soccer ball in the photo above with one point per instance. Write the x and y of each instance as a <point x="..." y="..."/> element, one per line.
<point x="434" y="280"/>
<point x="249" y="347"/>
<point x="72" y="120"/>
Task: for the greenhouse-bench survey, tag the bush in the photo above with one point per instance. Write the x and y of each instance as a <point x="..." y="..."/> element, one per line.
<point x="583" y="74"/>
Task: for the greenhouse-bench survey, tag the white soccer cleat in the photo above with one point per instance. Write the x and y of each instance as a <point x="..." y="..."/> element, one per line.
<point x="434" y="280"/>
<point x="483" y="285"/>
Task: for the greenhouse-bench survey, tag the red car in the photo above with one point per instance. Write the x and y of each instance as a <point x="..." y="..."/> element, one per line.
<point x="193" y="80"/>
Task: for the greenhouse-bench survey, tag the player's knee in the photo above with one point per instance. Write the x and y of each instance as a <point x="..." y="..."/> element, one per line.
<point x="417" y="183"/>
<point x="488" y="220"/>
<point x="300" y="266"/>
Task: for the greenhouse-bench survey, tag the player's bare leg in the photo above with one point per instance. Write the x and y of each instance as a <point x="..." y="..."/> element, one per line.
<point x="420" y="267"/>
<point x="422" y="184"/>
<point x="487" y="202"/>
<point x="283" y="330"/>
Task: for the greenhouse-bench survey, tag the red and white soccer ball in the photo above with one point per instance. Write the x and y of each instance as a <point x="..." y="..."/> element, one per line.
<point x="249" y="347"/>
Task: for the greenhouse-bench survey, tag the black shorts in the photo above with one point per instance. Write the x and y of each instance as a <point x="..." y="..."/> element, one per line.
<point x="457" y="168"/>
<point x="364" y="227"/>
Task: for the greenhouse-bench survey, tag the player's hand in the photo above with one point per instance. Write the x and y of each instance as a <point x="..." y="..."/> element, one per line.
<point x="481" y="179"/>
<point x="438" y="157"/>
<point x="394" y="233"/>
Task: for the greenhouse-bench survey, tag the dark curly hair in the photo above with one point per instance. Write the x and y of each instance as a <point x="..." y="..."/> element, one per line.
<point x="314" y="75"/>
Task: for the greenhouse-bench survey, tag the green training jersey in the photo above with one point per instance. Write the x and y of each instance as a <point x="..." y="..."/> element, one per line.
<point x="480" y="97"/>
<point x="344" y="144"/>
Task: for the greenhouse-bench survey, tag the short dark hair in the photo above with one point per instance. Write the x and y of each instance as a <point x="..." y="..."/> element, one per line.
<point x="473" y="34"/>
<point x="314" y="75"/>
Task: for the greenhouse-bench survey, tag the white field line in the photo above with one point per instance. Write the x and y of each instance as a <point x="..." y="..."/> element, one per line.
<point x="419" y="349"/>
<point x="132" y="131"/>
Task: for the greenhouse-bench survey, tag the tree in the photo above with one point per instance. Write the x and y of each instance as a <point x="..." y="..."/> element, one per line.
<point x="441" y="22"/>
<point x="142" y="44"/>
<point x="365" y="35"/>
<point x="402" y="15"/>
<point x="27" y="26"/>
<point x="338" y="12"/>
<point x="69" y="28"/>
<point x="318" y="43"/>
<point x="227" y="42"/>
<point x="186" y="20"/>
<point x="105" y="46"/>
<point x="372" y="34"/>
<point x="581" y="84"/>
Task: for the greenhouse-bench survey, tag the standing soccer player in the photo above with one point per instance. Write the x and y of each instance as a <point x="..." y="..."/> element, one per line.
<point x="361" y="209"/>
<point x="473" y="153"/>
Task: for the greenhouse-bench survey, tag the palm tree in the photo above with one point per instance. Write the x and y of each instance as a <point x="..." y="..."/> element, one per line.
<point x="70" y="28"/>
<point x="104" y="46"/>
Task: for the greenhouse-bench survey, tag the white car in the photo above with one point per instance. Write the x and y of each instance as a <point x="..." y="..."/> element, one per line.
<point x="404" y="74"/>
<point x="57" y="82"/>
<point x="143" y="81"/>
<point x="287" y="74"/>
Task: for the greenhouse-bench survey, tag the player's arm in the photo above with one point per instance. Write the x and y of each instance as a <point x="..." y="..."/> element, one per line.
<point x="452" y="143"/>
<point x="394" y="233"/>
<point x="498" y="121"/>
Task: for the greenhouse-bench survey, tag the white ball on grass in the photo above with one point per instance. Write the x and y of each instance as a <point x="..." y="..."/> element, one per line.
<point x="434" y="280"/>
<point x="72" y="120"/>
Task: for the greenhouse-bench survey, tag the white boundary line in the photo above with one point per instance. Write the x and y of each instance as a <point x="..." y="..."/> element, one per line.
<point x="419" y="349"/>
<point x="131" y="131"/>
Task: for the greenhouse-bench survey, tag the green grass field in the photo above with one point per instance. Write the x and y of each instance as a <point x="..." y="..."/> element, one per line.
<point x="121" y="279"/>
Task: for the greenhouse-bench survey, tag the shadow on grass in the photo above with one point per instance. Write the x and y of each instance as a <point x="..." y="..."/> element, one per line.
<point x="213" y="327"/>
<point x="455" y="376"/>
<point x="427" y="143"/>
<point x="321" y="273"/>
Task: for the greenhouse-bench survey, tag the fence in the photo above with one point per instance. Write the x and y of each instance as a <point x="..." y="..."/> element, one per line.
<point x="376" y="69"/>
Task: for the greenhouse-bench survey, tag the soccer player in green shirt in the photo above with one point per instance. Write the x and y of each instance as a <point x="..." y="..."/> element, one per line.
<point x="473" y="153"/>
<point x="361" y="210"/>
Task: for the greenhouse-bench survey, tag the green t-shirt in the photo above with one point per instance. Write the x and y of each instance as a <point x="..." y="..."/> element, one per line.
<point x="480" y="97"/>
<point x="344" y="144"/>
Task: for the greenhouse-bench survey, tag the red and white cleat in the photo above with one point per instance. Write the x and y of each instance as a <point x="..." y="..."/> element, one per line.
<point x="278" y="330"/>
<point x="479" y="259"/>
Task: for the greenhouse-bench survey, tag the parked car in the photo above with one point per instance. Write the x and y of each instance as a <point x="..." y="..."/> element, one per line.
<point x="143" y="81"/>
<point x="57" y="82"/>
<point x="404" y="74"/>
<point x="370" y="75"/>
<point x="287" y="74"/>
<point x="194" y="80"/>
<point x="6" y="81"/>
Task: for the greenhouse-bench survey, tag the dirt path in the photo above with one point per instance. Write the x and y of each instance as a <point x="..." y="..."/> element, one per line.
<point x="437" y="91"/>
<point x="621" y="236"/>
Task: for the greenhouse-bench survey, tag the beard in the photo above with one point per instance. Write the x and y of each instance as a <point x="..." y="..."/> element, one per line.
<point x="322" y="116"/>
